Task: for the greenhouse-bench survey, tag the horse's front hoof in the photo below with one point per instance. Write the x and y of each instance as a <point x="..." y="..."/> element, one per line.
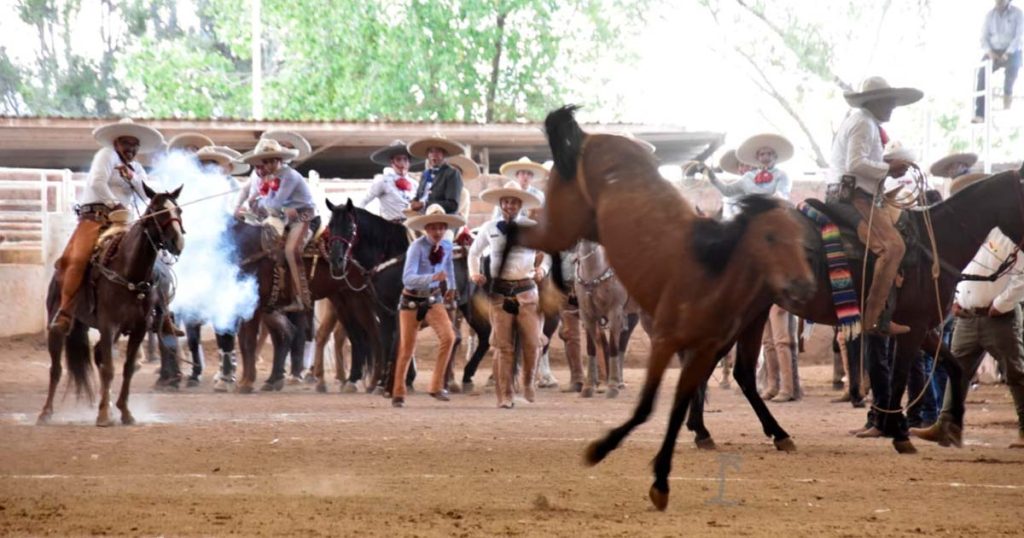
<point x="904" y="447"/>
<point x="705" y="443"/>
<point x="613" y="392"/>
<point x="594" y="453"/>
<point x="321" y="387"/>
<point x="379" y="391"/>
<point x="244" y="389"/>
<point x="785" y="444"/>
<point x="104" y="422"/>
<point x="127" y="419"/>
<point x="44" y="418"/>
<point x="272" y="386"/>
<point x="659" y="498"/>
<point x="587" y="392"/>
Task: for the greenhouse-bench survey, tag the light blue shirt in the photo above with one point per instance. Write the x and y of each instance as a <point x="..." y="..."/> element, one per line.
<point x="1003" y="30"/>
<point x="293" y="192"/>
<point x="418" y="272"/>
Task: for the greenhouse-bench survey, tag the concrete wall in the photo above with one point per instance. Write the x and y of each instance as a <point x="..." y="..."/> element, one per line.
<point x="23" y="289"/>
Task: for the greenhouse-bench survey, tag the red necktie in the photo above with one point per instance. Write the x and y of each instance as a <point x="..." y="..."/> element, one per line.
<point x="883" y="136"/>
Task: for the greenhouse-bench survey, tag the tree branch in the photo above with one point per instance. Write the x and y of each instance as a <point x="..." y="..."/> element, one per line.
<point x="492" y="86"/>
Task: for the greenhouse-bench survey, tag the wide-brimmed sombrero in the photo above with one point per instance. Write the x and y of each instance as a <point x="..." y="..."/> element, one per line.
<point x="510" y="190"/>
<point x="467" y="167"/>
<point x="729" y="163"/>
<point x="747" y="152"/>
<point x="896" y="151"/>
<point x="510" y="168"/>
<point x="149" y="138"/>
<point x="184" y="141"/>
<point x="383" y="155"/>
<point x="210" y="153"/>
<point x="268" y="148"/>
<point x="966" y="180"/>
<point x="291" y="140"/>
<point x="877" y="88"/>
<point x="238" y="167"/>
<point x="944" y="166"/>
<point x="434" y="213"/>
<point x="418" y="148"/>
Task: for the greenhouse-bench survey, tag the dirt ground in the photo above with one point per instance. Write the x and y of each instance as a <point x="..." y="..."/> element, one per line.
<point x="303" y="463"/>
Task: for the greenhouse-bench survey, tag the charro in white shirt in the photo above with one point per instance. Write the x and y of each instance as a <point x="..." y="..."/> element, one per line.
<point x="1006" y="291"/>
<point x="392" y="200"/>
<point x="104" y="185"/>
<point x="521" y="261"/>
<point x="857" y="151"/>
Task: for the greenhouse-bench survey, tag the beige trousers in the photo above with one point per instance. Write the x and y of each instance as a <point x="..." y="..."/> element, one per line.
<point x="528" y="325"/>
<point x="438" y="320"/>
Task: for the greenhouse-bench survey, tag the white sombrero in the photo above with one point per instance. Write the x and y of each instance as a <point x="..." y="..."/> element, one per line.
<point x="268" y="148"/>
<point x="729" y="163"/>
<point x="295" y="140"/>
<point x="210" y="153"/>
<point x="877" y="88"/>
<point x="895" y="150"/>
<point x="184" y="141"/>
<point x="149" y="138"/>
<point x="510" y="190"/>
<point x="383" y="155"/>
<point x="238" y="167"/>
<point x="510" y="168"/>
<point x="467" y="167"/>
<point x="747" y="152"/>
<point x="966" y="180"/>
<point x="419" y="147"/>
<point x="434" y="213"/>
<point x="944" y="166"/>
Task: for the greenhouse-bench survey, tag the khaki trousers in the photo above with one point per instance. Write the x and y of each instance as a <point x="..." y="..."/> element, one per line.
<point x="569" y="332"/>
<point x="75" y="260"/>
<point x="778" y="352"/>
<point x="528" y="324"/>
<point x="438" y="320"/>
<point x="887" y="244"/>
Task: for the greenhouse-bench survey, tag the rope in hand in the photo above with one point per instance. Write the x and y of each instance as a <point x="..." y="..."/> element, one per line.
<point x="916" y="198"/>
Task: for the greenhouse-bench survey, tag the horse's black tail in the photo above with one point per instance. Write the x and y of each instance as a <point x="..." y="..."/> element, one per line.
<point x="565" y="139"/>
<point x="79" y="360"/>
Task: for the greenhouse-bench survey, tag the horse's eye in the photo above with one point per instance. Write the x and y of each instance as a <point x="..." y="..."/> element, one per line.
<point x="770" y="238"/>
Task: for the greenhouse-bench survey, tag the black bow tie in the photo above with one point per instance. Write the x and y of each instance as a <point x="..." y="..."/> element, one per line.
<point x="503" y="226"/>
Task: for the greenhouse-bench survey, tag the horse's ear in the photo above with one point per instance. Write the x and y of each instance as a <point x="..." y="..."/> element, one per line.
<point x="176" y="192"/>
<point x="330" y="206"/>
<point x="150" y="193"/>
<point x="348" y="205"/>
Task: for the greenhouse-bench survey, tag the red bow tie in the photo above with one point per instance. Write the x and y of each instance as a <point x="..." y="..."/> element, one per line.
<point x="436" y="254"/>
<point x="403" y="184"/>
<point x="763" y="177"/>
<point x="268" y="185"/>
<point x="883" y="136"/>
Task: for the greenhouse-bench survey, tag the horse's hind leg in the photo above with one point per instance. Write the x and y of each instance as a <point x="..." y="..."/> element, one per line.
<point x="55" y="343"/>
<point x="328" y="320"/>
<point x="662" y="350"/>
<point x="247" y="334"/>
<point x="695" y="419"/>
<point x="745" y="373"/>
<point x="134" y="341"/>
<point x="105" y="359"/>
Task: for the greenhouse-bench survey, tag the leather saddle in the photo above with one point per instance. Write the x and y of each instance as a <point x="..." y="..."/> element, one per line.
<point x="852" y="245"/>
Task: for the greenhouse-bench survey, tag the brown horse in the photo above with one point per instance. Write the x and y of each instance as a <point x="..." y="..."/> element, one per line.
<point x="117" y="297"/>
<point x="695" y="276"/>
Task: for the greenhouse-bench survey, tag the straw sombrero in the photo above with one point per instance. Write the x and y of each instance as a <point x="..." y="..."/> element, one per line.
<point x="747" y="152"/>
<point x="288" y="138"/>
<point x="510" y="168"/>
<point x="238" y="167"/>
<point x="383" y="155"/>
<point x="418" y="148"/>
<point x="944" y="166"/>
<point x="211" y="153"/>
<point x="467" y="167"/>
<point x="876" y="88"/>
<point x="434" y="213"/>
<point x="964" y="181"/>
<point x="895" y="150"/>
<point x="149" y="138"/>
<point x="184" y="141"/>
<point x="510" y="190"/>
<point x="729" y="163"/>
<point x="268" y="148"/>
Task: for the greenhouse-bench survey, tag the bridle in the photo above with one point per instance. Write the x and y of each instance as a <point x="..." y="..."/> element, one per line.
<point x="350" y="244"/>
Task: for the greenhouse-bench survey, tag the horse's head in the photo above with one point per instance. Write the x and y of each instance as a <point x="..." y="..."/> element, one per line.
<point x="764" y="234"/>
<point x="342" y="236"/>
<point x="162" y="220"/>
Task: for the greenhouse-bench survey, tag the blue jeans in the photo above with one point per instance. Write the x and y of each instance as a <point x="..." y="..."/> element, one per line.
<point x="1012" y="66"/>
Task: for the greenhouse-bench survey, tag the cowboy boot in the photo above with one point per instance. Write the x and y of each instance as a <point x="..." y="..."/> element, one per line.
<point x="943" y="432"/>
<point x="301" y="297"/>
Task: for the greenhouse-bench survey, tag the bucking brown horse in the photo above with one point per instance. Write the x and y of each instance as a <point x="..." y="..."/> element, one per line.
<point x="695" y="276"/>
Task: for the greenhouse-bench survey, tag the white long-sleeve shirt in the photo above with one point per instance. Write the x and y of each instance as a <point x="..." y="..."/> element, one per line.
<point x="521" y="260"/>
<point x="104" y="185"/>
<point x="392" y="200"/>
<point x="857" y="151"/>
<point x="1006" y="291"/>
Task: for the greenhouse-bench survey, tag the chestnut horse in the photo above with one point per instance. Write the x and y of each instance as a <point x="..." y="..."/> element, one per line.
<point x="117" y="297"/>
<point x="695" y="276"/>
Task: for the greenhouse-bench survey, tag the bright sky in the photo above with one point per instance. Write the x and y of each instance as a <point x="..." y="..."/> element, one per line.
<point x="688" y="77"/>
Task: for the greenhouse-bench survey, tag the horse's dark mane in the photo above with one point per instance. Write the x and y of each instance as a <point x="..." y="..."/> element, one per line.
<point x="565" y="139"/>
<point x="715" y="241"/>
<point x="390" y="238"/>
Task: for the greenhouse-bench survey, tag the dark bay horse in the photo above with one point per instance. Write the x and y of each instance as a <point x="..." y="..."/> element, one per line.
<point x="695" y="276"/>
<point x="374" y="248"/>
<point x="117" y="297"/>
<point x="961" y="225"/>
<point x="354" y="308"/>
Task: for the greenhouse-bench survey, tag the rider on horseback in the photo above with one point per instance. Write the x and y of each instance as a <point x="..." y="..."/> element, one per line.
<point x="283" y="190"/>
<point x="114" y="179"/>
<point x="856" y="173"/>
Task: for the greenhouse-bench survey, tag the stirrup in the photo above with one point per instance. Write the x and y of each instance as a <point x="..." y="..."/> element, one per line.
<point x="61" y="322"/>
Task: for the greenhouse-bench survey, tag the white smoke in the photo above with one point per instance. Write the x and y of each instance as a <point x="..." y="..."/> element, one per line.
<point x="209" y="286"/>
